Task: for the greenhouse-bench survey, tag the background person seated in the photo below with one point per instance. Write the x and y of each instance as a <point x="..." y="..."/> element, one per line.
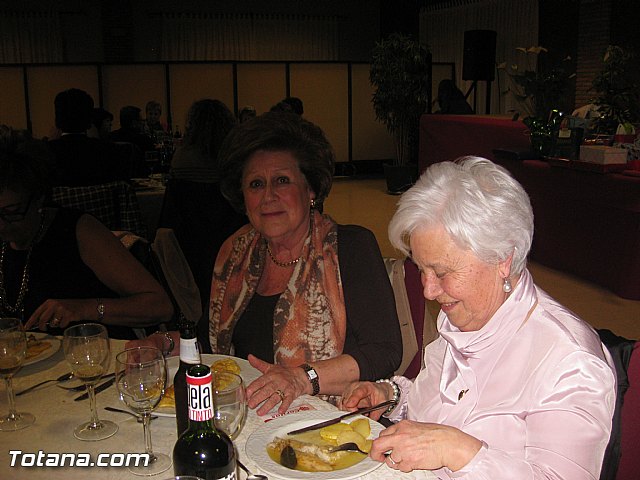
<point x="152" y="125"/>
<point x="131" y="131"/>
<point x="78" y="159"/>
<point x="451" y="100"/>
<point x="60" y="266"/>
<point x="101" y="123"/>
<point x="193" y="205"/>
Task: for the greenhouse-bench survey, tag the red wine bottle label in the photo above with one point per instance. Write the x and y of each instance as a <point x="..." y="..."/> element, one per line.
<point x="200" y="398"/>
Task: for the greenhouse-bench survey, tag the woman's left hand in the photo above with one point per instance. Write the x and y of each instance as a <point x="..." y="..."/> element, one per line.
<point x="424" y="446"/>
<point x="277" y="384"/>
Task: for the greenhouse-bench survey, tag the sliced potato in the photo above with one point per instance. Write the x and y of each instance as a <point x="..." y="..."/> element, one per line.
<point x="362" y="426"/>
<point x="226" y="365"/>
<point x="368" y="443"/>
<point x="331" y="432"/>
<point x="352" y="436"/>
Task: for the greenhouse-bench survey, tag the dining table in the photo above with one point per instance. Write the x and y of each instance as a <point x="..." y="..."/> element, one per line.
<point x="57" y="414"/>
<point x="150" y="196"/>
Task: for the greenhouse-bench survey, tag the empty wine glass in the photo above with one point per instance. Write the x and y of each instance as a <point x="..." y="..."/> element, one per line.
<point x="141" y="379"/>
<point x="86" y="349"/>
<point x="230" y="403"/>
<point x="13" y="349"/>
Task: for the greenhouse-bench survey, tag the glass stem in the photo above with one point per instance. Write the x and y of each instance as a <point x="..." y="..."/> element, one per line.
<point x="11" y="398"/>
<point x="92" y="404"/>
<point x="146" y="419"/>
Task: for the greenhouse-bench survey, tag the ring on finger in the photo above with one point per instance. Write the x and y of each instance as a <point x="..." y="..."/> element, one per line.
<point x="393" y="462"/>
<point x="280" y="393"/>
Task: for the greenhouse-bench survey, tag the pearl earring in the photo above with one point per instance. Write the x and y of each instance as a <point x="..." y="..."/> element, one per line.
<point x="506" y="286"/>
<point x="313" y="203"/>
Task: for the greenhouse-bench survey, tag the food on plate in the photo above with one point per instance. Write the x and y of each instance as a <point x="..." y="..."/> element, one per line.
<point x="35" y="346"/>
<point x="311" y="451"/>
<point x="225" y="365"/>
<point x="169" y="398"/>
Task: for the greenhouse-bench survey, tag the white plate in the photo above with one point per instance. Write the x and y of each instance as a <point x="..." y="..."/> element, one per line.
<point x="53" y="348"/>
<point x="256" y="446"/>
<point x="247" y="372"/>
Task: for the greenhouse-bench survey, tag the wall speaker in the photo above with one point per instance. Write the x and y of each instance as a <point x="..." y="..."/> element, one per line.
<point x="479" y="60"/>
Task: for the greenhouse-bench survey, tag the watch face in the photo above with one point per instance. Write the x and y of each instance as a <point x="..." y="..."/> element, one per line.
<point x="312" y="374"/>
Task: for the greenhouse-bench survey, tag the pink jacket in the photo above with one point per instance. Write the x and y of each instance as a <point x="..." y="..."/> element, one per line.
<point x="539" y="390"/>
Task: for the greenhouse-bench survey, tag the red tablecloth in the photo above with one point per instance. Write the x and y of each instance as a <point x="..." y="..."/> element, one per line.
<point x="447" y="137"/>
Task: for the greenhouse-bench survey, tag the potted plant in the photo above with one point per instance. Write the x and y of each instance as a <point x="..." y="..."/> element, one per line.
<point x="617" y="100"/>
<point x="540" y="94"/>
<point x="401" y="74"/>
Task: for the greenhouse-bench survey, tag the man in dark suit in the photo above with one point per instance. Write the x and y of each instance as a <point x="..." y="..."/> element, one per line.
<point x="80" y="160"/>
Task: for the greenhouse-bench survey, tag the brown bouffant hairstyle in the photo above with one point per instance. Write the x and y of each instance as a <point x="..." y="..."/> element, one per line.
<point x="276" y="131"/>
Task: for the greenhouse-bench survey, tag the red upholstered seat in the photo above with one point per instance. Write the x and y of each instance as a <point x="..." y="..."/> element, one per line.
<point x="417" y="304"/>
<point x="629" y="467"/>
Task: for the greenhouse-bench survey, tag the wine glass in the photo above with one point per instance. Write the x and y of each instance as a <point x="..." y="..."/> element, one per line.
<point x="230" y="403"/>
<point x="141" y="379"/>
<point x="86" y="349"/>
<point x="13" y="349"/>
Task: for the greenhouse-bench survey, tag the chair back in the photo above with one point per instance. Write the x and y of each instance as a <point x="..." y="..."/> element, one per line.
<point x="115" y="204"/>
<point x="417" y="326"/>
<point x="165" y="261"/>
<point x="621" y="350"/>
<point x="629" y="465"/>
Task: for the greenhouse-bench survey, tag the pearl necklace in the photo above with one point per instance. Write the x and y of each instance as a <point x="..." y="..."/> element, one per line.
<point x="24" y="284"/>
<point x="282" y="264"/>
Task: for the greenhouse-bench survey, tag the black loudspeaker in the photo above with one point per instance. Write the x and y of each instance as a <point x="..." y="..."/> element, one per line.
<point x="479" y="60"/>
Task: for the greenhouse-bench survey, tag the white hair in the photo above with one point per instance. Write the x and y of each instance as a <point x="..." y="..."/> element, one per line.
<point x="478" y="203"/>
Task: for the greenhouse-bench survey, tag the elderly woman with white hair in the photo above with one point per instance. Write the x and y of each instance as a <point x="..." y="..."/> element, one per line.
<point x="515" y="386"/>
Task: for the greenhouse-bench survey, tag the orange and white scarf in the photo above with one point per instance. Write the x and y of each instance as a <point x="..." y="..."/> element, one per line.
<point x="309" y="321"/>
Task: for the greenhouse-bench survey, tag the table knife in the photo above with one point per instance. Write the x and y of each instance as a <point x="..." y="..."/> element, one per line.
<point x="98" y="389"/>
<point x="342" y="417"/>
<point x="82" y="386"/>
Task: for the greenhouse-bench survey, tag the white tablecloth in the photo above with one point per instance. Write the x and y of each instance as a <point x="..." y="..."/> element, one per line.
<point x="57" y="415"/>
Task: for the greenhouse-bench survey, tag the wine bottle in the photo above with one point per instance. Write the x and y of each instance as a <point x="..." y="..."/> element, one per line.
<point x="189" y="355"/>
<point x="202" y="450"/>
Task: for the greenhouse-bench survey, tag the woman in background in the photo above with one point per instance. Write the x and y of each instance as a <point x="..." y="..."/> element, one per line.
<point x="60" y="266"/>
<point x="193" y="205"/>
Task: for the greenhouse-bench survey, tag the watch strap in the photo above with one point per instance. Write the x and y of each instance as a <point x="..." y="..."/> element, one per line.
<point x="100" y="309"/>
<point x="312" y="375"/>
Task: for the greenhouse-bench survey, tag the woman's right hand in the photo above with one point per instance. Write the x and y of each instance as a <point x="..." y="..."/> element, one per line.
<point x="160" y="341"/>
<point x="365" y="394"/>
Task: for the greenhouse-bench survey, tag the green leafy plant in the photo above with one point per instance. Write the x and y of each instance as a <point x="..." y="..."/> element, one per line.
<point x="617" y="99"/>
<point x="538" y="92"/>
<point x="540" y="95"/>
<point x="399" y="72"/>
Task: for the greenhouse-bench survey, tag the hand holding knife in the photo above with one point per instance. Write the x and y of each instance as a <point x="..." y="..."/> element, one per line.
<point x="360" y="411"/>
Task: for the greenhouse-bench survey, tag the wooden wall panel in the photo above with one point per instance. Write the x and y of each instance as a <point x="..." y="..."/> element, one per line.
<point x="44" y="83"/>
<point x="324" y="90"/>
<point x="12" y="111"/>
<point x="261" y="85"/>
<point x="191" y="82"/>
<point x="133" y="85"/>
<point x="371" y="141"/>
